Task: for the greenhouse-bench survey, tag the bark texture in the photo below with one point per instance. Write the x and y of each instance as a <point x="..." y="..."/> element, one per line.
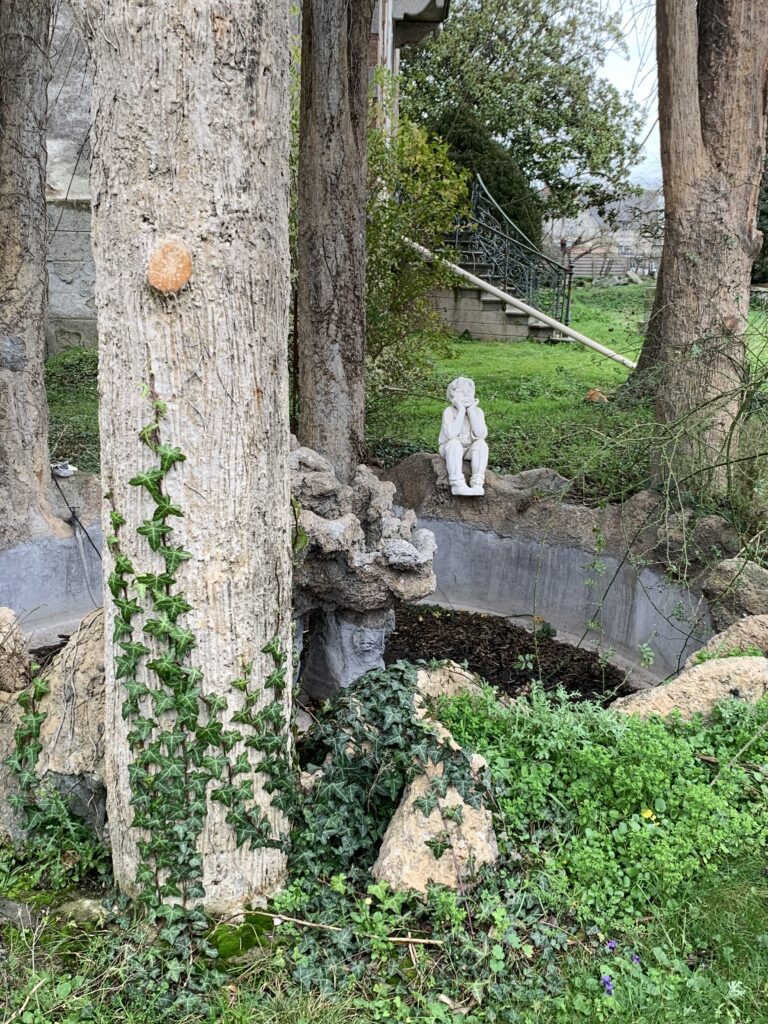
<point x="331" y="215"/>
<point x="25" y="27"/>
<point x="713" y="79"/>
<point x="190" y="146"/>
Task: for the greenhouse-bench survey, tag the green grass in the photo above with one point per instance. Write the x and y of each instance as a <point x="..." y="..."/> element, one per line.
<point x="534" y="396"/>
<point x="71" y="380"/>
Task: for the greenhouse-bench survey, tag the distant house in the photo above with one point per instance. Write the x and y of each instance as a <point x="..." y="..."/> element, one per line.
<point x="396" y="23"/>
<point x="627" y="237"/>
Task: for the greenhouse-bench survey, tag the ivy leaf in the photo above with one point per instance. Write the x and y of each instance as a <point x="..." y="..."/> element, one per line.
<point x="166" y="507"/>
<point x="127" y="607"/>
<point x="169" y="457"/>
<point x="117" y="519"/>
<point x="173" y="605"/>
<point x="154" y="531"/>
<point x="149" y="480"/>
<point x="439" y="844"/>
<point x="155" y="580"/>
<point x="174" y="557"/>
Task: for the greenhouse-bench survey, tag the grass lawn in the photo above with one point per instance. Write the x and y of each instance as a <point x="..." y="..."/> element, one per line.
<point x="534" y="395"/>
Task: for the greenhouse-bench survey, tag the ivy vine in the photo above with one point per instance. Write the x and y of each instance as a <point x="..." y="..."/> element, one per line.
<point x="183" y="755"/>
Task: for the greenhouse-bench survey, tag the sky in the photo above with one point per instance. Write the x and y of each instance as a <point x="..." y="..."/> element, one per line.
<point x="636" y="73"/>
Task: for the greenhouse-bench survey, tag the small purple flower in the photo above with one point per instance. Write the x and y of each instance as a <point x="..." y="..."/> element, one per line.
<point x="607" y="984"/>
<point x="635" y="958"/>
<point x="611" y="945"/>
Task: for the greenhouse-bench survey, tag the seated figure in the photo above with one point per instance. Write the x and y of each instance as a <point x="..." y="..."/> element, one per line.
<point x="462" y="438"/>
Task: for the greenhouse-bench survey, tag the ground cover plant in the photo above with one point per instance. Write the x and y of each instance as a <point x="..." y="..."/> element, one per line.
<point x="631" y="884"/>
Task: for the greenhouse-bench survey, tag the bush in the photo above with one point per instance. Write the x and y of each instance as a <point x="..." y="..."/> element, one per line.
<point x="415" y="193"/>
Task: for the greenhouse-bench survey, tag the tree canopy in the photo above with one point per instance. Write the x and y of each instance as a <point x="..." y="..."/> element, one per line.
<point x="530" y="71"/>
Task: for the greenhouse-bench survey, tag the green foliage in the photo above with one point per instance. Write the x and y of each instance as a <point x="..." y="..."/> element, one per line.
<point x="473" y="147"/>
<point x="71" y="380"/>
<point x="532" y="74"/>
<point x="415" y="192"/>
<point x="618" y="812"/>
<point x="731" y="652"/>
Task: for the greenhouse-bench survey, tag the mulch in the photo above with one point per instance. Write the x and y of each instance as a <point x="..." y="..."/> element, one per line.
<point x="506" y="655"/>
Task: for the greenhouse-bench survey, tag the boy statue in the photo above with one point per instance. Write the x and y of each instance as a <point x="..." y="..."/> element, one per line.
<point x="462" y="437"/>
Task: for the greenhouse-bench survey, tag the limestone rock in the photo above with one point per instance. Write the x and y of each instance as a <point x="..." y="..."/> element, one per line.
<point x="736" y="588"/>
<point x="72" y="733"/>
<point x="13" y="653"/>
<point x="406" y="862"/>
<point x="698" y="689"/>
<point x="82" y="910"/>
<point x="749" y="632"/>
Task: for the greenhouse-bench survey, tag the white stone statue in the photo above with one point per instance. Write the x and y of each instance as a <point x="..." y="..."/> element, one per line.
<point x="462" y="438"/>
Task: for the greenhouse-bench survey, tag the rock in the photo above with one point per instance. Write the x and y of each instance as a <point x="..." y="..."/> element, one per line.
<point x="303" y="722"/>
<point x="83" y="910"/>
<point x="14" y="659"/>
<point x="696" y="690"/>
<point x="405" y="861"/>
<point x="19" y="914"/>
<point x="72" y="733"/>
<point x="362" y="553"/>
<point x="749" y="632"/>
<point x="736" y="588"/>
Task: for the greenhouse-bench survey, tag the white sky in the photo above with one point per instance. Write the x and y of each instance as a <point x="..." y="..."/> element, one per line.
<point x="636" y="73"/>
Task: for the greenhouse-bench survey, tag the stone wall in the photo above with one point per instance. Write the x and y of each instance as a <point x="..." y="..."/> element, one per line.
<point x="71" y="276"/>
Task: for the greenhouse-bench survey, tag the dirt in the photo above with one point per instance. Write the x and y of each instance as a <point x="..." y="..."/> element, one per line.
<point x="503" y="653"/>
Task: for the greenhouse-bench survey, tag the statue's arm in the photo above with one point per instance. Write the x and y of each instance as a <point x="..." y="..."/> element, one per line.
<point x="452" y="422"/>
<point x="477" y="423"/>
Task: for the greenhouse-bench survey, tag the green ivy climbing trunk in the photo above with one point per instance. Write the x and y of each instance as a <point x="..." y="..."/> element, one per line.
<point x="189" y="185"/>
<point x="25" y="71"/>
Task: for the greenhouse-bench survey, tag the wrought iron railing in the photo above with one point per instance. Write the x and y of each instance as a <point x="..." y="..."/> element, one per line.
<point x="493" y="248"/>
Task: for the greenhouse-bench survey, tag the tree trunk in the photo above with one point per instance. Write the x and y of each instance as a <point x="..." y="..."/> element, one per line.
<point x="25" y="27"/>
<point x="190" y="162"/>
<point x="332" y="197"/>
<point x="713" y="79"/>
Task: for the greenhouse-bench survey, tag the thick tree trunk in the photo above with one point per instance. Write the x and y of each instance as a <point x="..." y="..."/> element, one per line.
<point x="190" y="144"/>
<point x="25" y="27"/>
<point x="713" y="81"/>
<point x="332" y="196"/>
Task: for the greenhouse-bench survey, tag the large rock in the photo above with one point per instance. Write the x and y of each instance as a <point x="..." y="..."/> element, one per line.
<point x="751" y="632"/>
<point x="72" y="733"/>
<point x="698" y="689"/>
<point x="736" y="588"/>
<point x="405" y="860"/>
<point x="14" y="659"/>
<point x="461" y="836"/>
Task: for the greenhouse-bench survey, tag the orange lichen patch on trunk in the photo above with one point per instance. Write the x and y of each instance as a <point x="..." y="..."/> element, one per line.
<point x="170" y="267"/>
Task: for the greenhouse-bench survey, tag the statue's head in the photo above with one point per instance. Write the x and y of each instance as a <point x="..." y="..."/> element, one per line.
<point x="463" y="387"/>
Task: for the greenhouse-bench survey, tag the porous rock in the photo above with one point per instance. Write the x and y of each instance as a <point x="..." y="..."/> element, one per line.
<point x="72" y="732"/>
<point x="363" y="553"/>
<point x="696" y="690"/>
<point x="13" y="653"/>
<point x="751" y="632"/>
<point x="405" y="862"/>
<point x="736" y="588"/>
<point x="82" y="910"/>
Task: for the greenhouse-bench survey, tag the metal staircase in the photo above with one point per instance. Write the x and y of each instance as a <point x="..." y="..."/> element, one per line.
<point x="494" y="249"/>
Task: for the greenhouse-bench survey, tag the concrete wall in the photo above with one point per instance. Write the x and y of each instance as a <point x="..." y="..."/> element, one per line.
<point x="521" y="577"/>
<point x="71" y="276"/>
